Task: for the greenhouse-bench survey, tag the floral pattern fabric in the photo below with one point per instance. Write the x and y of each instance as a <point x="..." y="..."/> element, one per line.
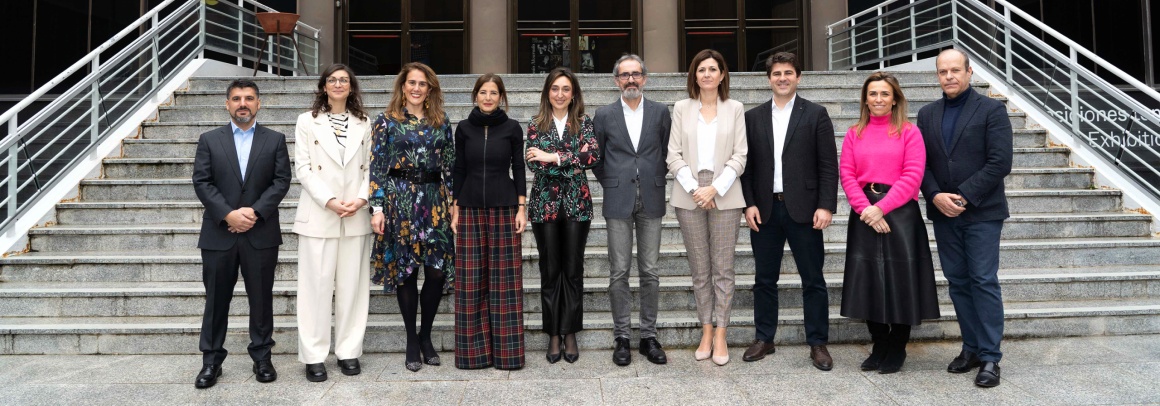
<point x="418" y="220"/>
<point x="565" y="184"/>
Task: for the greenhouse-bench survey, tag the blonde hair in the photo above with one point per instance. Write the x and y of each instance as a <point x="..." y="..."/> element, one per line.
<point x="898" y="114"/>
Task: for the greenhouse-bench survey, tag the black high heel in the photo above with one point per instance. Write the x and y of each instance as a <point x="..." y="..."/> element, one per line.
<point x="412" y="363"/>
<point x="427" y="348"/>
<point x="570" y="357"/>
<point x="554" y="358"/>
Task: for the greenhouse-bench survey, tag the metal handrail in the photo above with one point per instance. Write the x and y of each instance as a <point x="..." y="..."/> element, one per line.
<point x="40" y="150"/>
<point x="1114" y="126"/>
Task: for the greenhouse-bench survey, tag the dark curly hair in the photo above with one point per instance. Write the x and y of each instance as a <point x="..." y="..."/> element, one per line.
<point x="354" y="103"/>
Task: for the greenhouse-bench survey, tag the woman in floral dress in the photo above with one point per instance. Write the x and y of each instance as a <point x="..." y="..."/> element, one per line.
<point x="412" y="154"/>
<point x="561" y="147"/>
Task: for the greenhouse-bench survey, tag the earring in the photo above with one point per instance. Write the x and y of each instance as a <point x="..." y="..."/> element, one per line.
<point x="426" y="105"/>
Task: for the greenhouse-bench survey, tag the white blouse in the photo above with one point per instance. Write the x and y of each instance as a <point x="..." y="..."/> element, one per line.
<point x="706" y="148"/>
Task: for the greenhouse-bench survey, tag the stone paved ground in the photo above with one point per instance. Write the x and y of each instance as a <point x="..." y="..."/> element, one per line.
<point x="1090" y="370"/>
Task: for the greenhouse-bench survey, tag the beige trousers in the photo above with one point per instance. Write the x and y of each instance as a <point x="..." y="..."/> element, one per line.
<point x="710" y="240"/>
<point x="338" y="269"/>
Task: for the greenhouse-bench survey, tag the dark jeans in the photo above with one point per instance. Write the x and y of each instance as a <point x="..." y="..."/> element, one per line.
<point x="969" y="253"/>
<point x="808" y="253"/>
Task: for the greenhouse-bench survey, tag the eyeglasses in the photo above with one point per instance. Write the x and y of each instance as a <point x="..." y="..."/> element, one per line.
<point x="333" y="80"/>
<point x="634" y="75"/>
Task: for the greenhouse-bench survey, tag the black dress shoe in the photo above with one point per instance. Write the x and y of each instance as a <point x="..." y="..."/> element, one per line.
<point x="349" y="366"/>
<point x="988" y="376"/>
<point x="622" y="355"/>
<point x="965" y="362"/>
<point x="264" y="371"/>
<point x="758" y="350"/>
<point x="651" y="348"/>
<point x="208" y="376"/>
<point x="316" y="372"/>
<point x="430" y="356"/>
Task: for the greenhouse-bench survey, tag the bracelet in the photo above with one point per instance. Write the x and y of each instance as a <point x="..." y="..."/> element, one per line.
<point x="522" y="204"/>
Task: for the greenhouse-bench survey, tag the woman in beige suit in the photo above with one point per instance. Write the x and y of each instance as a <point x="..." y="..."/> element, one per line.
<point x="331" y="160"/>
<point x="707" y="150"/>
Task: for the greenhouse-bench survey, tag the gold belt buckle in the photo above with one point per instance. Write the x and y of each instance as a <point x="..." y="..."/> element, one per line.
<point x="873" y="190"/>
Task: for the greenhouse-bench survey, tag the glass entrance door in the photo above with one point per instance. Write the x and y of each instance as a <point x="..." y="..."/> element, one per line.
<point x="745" y="32"/>
<point x="381" y="34"/>
<point x="585" y="36"/>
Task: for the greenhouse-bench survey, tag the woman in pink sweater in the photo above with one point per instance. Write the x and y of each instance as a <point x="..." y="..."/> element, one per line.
<point x="889" y="279"/>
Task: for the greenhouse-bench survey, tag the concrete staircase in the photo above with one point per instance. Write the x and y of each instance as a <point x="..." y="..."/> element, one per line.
<point x="119" y="272"/>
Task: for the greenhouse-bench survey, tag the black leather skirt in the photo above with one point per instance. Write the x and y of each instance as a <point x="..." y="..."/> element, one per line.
<point x="889" y="277"/>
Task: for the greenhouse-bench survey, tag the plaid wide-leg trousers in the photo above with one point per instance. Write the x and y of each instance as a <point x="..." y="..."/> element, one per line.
<point x="489" y="301"/>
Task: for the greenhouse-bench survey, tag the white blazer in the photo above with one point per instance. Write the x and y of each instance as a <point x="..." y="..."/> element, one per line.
<point x="325" y="175"/>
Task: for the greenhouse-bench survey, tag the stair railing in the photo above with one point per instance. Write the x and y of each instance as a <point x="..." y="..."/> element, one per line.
<point x="1116" y="127"/>
<point x="98" y="92"/>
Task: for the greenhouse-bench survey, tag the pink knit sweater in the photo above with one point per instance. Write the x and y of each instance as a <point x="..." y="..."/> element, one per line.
<point x="881" y="158"/>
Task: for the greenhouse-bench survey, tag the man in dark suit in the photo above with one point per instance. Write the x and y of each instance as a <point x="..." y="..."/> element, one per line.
<point x="633" y="133"/>
<point x="968" y="153"/>
<point x="791" y="189"/>
<point x="241" y="172"/>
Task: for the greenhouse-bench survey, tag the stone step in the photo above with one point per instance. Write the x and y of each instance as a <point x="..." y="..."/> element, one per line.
<point x="536" y="80"/>
<point x="836" y="98"/>
<point x="185" y="146"/>
<point x="523" y="113"/>
<point x="120" y="168"/>
<point x="167" y="299"/>
<point x="173" y="235"/>
<point x="152" y="131"/>
<point x="184" y="263"/>
<point x="177" y="211"/>
<point x="676" y="329"/>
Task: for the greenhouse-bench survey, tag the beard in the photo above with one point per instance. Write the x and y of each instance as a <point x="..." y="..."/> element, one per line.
<point x="631" y="93"/>
<point x="242" y="119"/>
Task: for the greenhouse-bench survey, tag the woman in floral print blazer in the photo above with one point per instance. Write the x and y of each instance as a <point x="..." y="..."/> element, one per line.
<point x="561" y="146"/>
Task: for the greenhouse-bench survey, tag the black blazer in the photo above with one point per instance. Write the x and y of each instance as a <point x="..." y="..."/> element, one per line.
<point x="217" y="180"/>
<point x="809" y="161"/>
<point x="976" y="162"/>
<point x="622" y="169"/>
<point x="487" y="147"/>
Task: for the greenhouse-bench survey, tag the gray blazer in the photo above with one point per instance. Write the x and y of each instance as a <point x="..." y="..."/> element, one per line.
<point x="623" y="169"/>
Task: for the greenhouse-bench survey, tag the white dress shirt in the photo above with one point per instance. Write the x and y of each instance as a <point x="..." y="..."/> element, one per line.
<point x="561" y="125"/>
<point x="706" y="148"/>
<point x="634" y="120"/>
<point x="780" y="128"/>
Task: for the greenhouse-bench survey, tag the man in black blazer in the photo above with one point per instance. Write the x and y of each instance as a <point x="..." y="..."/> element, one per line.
<point x="968" y="154"/>
<point x="633" y="133"/>
<point x="791" y="189"/>
<point x="241" y="172"/>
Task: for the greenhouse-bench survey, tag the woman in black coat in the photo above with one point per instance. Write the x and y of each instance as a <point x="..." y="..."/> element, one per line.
<point x="488" y="217"/>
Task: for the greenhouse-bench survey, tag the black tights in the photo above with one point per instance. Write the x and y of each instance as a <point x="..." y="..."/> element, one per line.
<point x="409" y="302"/>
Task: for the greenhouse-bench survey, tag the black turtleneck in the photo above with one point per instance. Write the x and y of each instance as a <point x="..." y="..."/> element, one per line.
<point x="951" y="111"/>
<point x="487" y="148"/>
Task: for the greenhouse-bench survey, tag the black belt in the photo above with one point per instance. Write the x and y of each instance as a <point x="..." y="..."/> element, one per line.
<point x="416" y="176"/>
<point x="876" y="188"/>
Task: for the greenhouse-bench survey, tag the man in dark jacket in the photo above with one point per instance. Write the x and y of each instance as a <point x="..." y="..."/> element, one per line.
<point x="968" y="154"/>
<point x="241" y="172"/>
<point x="790" y="186"/>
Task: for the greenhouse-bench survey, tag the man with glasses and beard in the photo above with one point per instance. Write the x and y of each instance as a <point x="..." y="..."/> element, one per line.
<point x="633" y="133"/>
<point x="241" y="172"/>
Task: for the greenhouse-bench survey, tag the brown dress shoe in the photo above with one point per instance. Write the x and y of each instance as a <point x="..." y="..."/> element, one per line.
<point x="821" y="357"/>
<point x="758" y="350"/>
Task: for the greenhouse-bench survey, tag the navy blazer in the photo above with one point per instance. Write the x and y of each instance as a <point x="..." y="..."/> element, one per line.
<point x="217" y="180"/>
<point x="975" y="162"/>
<point x="809" y="169"/>
<point x="622" y="168"/>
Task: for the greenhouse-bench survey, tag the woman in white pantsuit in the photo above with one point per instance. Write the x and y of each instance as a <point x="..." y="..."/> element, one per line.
<point x="332" y="162"/>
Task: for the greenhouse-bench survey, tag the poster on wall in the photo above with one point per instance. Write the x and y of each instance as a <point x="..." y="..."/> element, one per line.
<point x="547" y="53"/>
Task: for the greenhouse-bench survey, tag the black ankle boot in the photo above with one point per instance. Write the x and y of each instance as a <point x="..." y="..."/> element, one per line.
<point x="896" y="349"/>
<point x="878" y="334"/>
